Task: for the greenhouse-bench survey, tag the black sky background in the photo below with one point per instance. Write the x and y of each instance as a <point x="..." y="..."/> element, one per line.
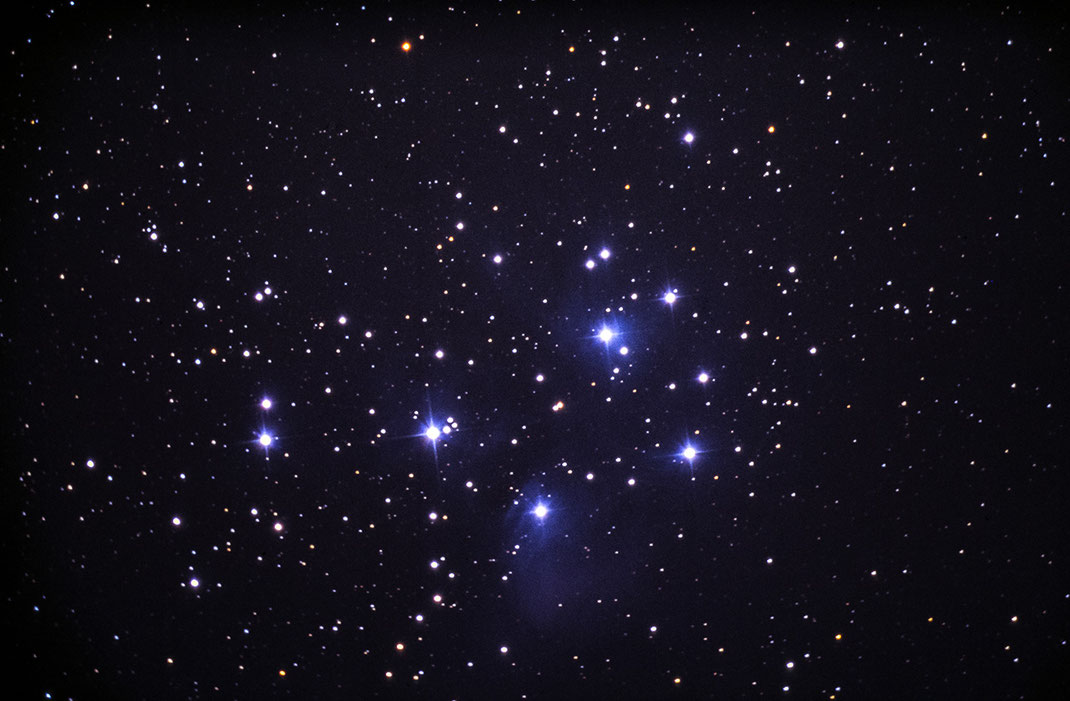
<point x="876" y="509"/>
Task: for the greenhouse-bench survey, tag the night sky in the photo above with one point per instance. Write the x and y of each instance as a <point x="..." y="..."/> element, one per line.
<point x="529" y="350"/>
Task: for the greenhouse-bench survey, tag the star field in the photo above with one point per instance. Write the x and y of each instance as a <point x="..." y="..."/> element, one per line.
<point x="535" y="351"/>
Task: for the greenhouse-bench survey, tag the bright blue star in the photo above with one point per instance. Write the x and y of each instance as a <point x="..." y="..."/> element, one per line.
<point x="540" y="511"/>
<point x="606" y="335"/>
<point x="266" y="439"/>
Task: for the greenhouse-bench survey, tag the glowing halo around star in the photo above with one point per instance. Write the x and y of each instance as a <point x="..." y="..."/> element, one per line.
<point x="689" y="453"/>
<point x="606" y="335"/>
<point x="433" y="432"/>
<point x="266" y="439"/>
<point x="540" y="511"/>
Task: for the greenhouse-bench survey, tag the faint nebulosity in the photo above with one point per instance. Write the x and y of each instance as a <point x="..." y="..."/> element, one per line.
<point x="535" y="351"/>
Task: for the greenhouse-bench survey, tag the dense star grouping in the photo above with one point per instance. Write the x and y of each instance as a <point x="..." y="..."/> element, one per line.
<point x="534" y="352"/>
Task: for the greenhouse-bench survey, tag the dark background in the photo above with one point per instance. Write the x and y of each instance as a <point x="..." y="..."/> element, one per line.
<point x="876" y="509"/>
